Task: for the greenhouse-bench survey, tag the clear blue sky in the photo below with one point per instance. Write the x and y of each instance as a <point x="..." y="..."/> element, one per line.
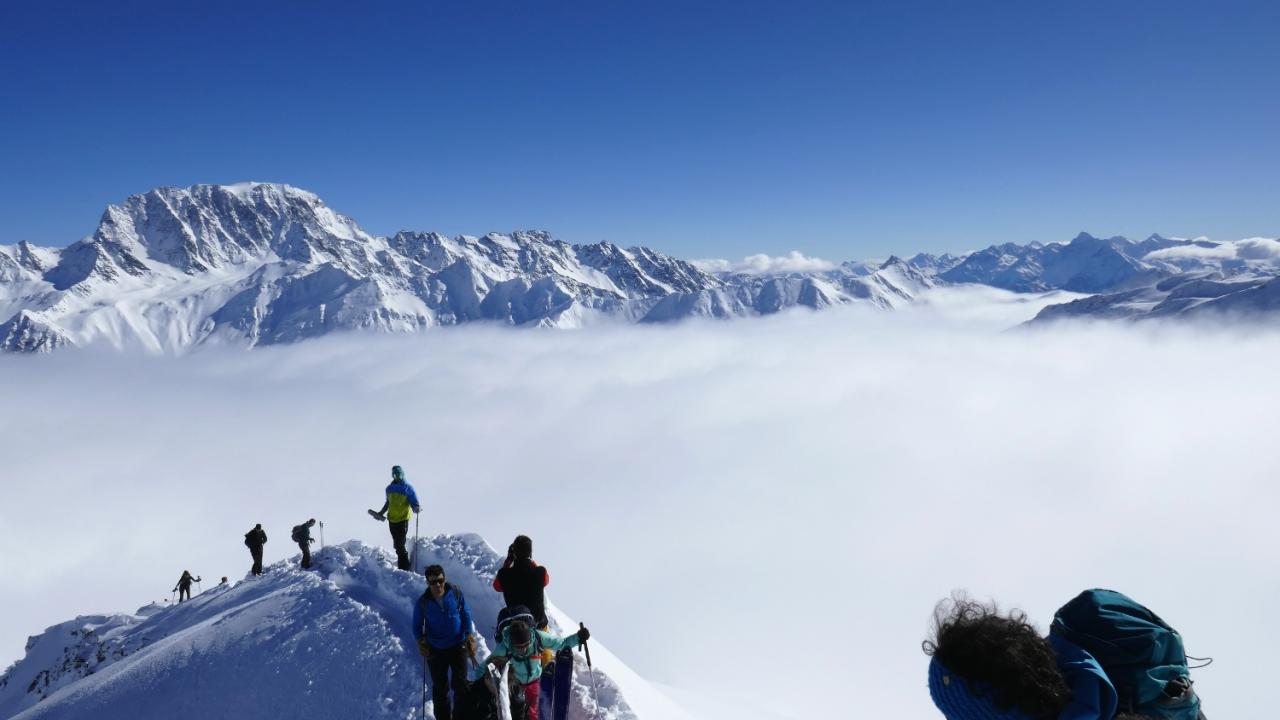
<point x="701" y="129"/>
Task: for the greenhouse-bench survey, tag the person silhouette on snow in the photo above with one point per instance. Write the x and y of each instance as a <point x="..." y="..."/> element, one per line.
<point x="302" y="536"/>
<point x="443" y="627"/>
<point x="522" y="646"/>
<point x="184" y="585"/>
<point x="522" y="582"/>
<point x="254" y="540"/>
<point x="401" y="502"/>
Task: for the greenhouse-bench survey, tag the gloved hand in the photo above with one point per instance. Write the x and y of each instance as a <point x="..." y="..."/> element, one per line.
<point x="424" y="649"/>
<point x="583" y="635"/>
<point x="469" y="644"/>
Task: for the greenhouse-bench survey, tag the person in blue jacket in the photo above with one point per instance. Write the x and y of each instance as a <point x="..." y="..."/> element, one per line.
<point x="988" y="666"/>
<point x="445" y="633"/>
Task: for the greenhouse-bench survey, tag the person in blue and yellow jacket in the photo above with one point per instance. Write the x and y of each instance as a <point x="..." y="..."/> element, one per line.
<point x="401" y="502"/>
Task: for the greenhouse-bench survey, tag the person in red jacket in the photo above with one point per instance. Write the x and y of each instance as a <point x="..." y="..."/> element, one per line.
<point x="522" y="581"/>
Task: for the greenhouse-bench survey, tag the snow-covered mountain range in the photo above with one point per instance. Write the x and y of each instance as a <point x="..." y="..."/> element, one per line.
<point x="334" y="642"/>
<point x="260" y="263"/>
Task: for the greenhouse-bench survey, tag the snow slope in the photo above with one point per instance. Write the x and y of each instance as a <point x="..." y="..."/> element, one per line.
<point x="333" y="642"/>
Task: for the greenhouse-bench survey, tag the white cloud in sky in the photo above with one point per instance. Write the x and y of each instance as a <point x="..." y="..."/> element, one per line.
<point x="762" y="264"/>
<point x="1258" y="248"/>
<point x="787" y="496"/>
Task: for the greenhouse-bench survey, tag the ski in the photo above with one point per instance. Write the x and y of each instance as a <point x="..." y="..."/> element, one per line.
<point x="563" y="678"/>
<point x="500" y="692"/>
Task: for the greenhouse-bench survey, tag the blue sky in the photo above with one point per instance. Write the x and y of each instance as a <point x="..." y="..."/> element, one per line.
<point x="701" y="129"/>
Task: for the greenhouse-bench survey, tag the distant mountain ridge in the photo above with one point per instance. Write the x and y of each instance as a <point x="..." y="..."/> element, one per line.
<point x="261" y="263"/>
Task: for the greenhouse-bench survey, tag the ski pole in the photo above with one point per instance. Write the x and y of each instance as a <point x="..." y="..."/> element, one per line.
<point x="322" y="535"/>
<point x="595" y="692"/>
<point x="424" y="687"/>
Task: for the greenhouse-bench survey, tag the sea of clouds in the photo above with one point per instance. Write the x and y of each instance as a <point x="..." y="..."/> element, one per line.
<point x="753" y="513"/>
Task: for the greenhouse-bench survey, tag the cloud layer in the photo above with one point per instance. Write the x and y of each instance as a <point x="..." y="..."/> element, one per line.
<point x="1258" y="248"/>
<point x="791" y="494"/>
<point x="762" y="264"/>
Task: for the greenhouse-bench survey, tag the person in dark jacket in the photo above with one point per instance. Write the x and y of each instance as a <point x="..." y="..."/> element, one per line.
<point x="184" y="585"/>
<point x="302" y="536"/>
<point x="254" y="540"/>
<point x="444" y="630"/>
<point x="989" y="665"/>
<point x="522" y="582"/>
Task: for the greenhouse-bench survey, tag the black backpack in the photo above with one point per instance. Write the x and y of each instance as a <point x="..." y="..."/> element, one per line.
<point x="475" y="702"/>
<point x="513" y="614"/>
<point x="300" y="533"/>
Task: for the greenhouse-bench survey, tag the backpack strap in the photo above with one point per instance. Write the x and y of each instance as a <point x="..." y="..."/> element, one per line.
<point x="422" y="601"/>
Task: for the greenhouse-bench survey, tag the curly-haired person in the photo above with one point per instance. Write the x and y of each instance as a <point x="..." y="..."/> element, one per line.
<point x="989" y="666"/>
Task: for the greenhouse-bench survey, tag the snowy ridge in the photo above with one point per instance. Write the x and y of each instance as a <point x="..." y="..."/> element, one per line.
<point x="332" y="642"/>
<point x="1198" y="296"/>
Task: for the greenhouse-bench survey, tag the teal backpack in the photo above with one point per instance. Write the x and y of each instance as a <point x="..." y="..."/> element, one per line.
<point x="1140" y="653"/>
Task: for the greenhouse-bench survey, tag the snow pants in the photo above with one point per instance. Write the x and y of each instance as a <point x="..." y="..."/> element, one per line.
<point x="441" y="663"/>
<point x="399" y="532"/>
<point x="532" y="692"/>
<point x="306" y="554"/>
<point x="184" y="590"/>
<point x="256" y="552"/>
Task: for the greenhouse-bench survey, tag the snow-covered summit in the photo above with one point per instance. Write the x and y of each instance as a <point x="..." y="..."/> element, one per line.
<point x="334" y="642"/>
<point x="261" y="263"/>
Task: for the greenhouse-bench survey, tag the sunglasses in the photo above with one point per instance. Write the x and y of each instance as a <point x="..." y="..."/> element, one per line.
<point x="435" y="581"/>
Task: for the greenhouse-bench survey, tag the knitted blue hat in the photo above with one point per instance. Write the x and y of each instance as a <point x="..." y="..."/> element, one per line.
<point x="958" y="699"/>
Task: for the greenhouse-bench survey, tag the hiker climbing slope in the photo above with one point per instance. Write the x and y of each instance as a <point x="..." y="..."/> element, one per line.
<point x="401" y="502"/>
<point x="254" y="540"/>
<point x="302" y="536"/>
<point x="444" y="630"/>
<point x="184" y="585"/>
<point x="523" y="583"/>
<point x="522" y="645"/>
